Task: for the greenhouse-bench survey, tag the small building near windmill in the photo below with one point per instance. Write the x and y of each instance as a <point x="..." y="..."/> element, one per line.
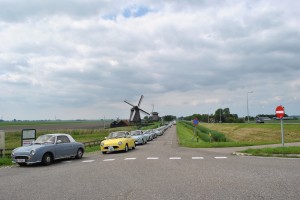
<point x="155" y="116"/>
<point x="119" y="123"/>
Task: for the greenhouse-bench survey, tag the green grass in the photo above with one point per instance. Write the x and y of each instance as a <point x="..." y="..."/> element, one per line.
<point x="277" y="151"/>
<point x="5" y="161"/>
<point x="185" y="133"/>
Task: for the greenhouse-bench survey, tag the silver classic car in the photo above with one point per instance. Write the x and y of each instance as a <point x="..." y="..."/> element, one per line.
<point x="47" y="148"/>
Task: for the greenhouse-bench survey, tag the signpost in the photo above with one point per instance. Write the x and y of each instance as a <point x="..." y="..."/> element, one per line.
<point x="28" y="136"/>
<point x="2" y="143"/>
<point x="280" y="114"/>
<point x="195" y="122"/>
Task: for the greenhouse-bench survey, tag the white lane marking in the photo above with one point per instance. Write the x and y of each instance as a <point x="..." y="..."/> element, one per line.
<point x="197" y="158"/>
<point x="175" y="158"/>
<point x="130" y="159"/>
<point x="88" y="161"/>
<point x="105" y="160"/>
<point x="152" y="158"/>
<point x="220" y="157"/>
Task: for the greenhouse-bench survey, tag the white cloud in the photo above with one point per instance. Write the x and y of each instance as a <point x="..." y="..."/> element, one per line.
<point x="78" y="59"/>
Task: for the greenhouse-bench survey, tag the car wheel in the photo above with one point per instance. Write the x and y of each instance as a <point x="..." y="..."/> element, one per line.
<point x="143" y="142"/>
<point x="79" y="154"/>
<point x="47" y="159"/>
<point x="126" y="148"/>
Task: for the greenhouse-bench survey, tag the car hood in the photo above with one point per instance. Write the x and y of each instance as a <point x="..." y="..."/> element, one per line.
<point x="113" y="141"/>
<point x="28" y="148"/>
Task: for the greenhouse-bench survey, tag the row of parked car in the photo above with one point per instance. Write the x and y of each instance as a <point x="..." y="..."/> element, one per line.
<point x="124" y="140"/>
<point x="50" y="147"/>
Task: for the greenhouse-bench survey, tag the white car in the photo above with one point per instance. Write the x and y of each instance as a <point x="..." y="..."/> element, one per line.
<point x="139" y="137"/>
<point x="149" y="135"/>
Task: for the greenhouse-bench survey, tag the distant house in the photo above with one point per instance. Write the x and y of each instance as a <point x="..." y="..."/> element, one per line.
<point x="119" y="123"/>
<point x="155" y="116"/>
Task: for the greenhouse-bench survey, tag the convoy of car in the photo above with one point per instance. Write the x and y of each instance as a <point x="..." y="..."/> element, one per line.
<point x="50" y="147"/>
<point x="123" y="140"/>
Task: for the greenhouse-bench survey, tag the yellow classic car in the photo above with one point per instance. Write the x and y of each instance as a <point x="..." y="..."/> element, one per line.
<point x="117" y="141"/>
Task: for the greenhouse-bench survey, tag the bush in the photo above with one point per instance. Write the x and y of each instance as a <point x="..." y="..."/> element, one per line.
<point x="203" y="133"/>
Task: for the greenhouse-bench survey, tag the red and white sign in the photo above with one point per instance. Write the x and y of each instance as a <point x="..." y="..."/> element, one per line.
<point x="279" y="112"/>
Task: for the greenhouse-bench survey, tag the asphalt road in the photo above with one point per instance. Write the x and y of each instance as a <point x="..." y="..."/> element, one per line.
<point x="157" y="170"/>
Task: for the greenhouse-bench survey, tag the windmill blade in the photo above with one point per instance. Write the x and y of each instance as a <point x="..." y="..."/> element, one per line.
<point x="133" y="113"/>
<point x="141" y="99"/>
<point x="129" y="103"/>
<point x="144" y="111"/>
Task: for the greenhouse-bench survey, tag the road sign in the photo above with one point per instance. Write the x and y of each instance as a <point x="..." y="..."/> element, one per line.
<point x="195" y="122"/>
<point x="279" y="112"/>
<point x="28" y="136"/>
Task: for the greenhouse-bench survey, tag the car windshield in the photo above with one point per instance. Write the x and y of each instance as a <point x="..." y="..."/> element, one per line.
<point x="135" y="133"/>
<point x="45" y="139"/>
<point x="116" y="135"/>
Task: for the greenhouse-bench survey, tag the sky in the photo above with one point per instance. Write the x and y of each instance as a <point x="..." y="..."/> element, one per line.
<point x="77" y="59"/>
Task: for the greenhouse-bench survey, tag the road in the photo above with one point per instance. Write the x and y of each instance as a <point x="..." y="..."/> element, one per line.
<point x="157" y="170"/>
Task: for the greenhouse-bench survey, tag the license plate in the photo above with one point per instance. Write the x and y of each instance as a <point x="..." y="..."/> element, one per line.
<point x="20" y="160"/>
<point x="111" y="149"/>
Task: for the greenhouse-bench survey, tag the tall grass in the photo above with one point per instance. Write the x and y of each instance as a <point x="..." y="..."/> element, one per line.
<point x="185" y="132"/>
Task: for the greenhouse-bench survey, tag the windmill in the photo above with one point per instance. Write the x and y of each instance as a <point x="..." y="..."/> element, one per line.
<point x="154" y="116"/>
<point x="135" y="116"/>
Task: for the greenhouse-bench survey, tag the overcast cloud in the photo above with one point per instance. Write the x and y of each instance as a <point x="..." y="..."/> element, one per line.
<point x="76" y="59"/>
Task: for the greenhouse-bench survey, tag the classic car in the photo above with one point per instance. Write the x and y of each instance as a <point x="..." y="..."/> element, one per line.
<point x="149" y="134"/>
<point x="139" y="137"/>
<point x="47" y="148"/>
<point x="117" y="141"/>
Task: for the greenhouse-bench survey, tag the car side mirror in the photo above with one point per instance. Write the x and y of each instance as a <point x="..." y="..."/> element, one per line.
<point x="58" y="142"/>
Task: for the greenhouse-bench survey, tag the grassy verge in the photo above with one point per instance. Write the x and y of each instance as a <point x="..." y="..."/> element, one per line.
<point x="269" y="133"/>
<point x="277" y="151"/>
<point x="185" y="133"/>
<point x="5" y="161"/>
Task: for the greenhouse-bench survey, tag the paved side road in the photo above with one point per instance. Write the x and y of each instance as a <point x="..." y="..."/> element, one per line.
<point x="112" y="176"/>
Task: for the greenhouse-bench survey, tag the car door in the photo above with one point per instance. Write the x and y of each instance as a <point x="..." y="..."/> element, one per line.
<point x="64" y="147"/>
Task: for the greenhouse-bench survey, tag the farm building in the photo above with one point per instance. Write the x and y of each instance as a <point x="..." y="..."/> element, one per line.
<point x="119" y="123"/>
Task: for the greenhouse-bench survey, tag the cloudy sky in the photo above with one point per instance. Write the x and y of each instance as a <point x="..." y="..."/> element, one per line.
<point x="77" y="59"/>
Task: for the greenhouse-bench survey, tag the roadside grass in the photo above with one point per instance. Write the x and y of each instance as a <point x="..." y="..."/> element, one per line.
<point x="277" y="151"/>
<point x="5" y="161"/>
<point x="238" y="135"/>
<point x="257" y="133"/>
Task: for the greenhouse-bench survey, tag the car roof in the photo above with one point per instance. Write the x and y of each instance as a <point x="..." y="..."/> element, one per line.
<point x="64" y="134"/>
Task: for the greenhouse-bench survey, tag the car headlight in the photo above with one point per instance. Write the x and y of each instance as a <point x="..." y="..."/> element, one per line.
<point x="13" y="153"/>
<point x="32" y="152"/>
<point x="102" y="144"/>
<point x="119" y="143"/>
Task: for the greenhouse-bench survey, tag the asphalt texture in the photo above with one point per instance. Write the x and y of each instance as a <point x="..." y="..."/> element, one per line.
<point x="157" y="170"/>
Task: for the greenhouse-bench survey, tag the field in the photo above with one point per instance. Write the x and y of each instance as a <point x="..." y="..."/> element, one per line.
<point x="269" y="133"/>
<point x="236" y="134"/>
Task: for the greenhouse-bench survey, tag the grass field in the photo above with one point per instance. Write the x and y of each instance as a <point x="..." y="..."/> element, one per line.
<point x="261" y="133"/>
<point x="240" y="134"/>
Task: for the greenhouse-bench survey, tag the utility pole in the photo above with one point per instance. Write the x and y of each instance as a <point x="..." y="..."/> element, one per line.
<point x="248" y="106"/>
